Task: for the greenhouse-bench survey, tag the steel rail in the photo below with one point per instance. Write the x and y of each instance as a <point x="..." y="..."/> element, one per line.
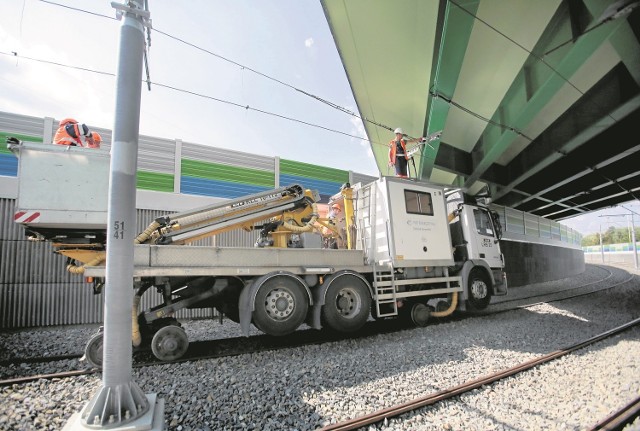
<point x="468" y="386"/>
<point x="524" y="298"/>
<point x="61" y="375"/>
<point x="314" y="337"/>
<point x="42" y="359"/>
<point x="618" y="420"/>
<point x="38" y="359"/>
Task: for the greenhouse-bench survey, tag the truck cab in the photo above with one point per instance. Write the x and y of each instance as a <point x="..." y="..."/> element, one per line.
<point x="475" y="237"/>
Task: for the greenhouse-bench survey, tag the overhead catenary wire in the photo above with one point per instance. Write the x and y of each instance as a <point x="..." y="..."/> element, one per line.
<point x="257" y="72"/>
<point x="349" y="112"/>
<point x="240" y="65"/>
<point x="248" y="107"/>
<point x="574" y="39"/>
<point x="194" y="93"/>
<point x="614" y="11"/>
<point x="432" y="92"/>
<point x="450" y="101"/>
<point x="264" y="75"/>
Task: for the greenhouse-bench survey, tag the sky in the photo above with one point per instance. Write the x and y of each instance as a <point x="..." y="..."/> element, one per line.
<point x="288" y="40"/>
<point x="599" y="221"/>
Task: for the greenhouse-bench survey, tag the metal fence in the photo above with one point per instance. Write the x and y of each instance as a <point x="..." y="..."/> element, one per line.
<point x="36" y="289"/>
<point x="521" y="226"/>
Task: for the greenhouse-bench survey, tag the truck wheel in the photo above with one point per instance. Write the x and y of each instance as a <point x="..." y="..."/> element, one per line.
<point x="347" y="304"/>
<point x="169" y="343"/>
<point x="478" y="290"/>
<point x="281" y="305"/>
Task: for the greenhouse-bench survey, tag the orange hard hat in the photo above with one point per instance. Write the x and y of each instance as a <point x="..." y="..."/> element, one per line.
<point x="335" y="206"/>
<point x="94" y="141"/>
<point x="67" y="121"/>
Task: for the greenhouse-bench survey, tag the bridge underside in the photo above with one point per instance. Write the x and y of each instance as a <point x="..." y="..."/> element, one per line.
<point x="539" y="102"/>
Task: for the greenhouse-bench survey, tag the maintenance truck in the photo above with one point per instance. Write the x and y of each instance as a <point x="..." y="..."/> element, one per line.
<point x="393" y="248"/>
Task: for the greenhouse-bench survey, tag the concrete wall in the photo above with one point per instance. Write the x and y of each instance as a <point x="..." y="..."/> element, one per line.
<point x="528" y="263"/>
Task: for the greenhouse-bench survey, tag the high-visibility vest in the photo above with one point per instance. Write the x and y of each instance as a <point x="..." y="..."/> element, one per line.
<point x="73" y="134"/>
<point x="392" y="150"/>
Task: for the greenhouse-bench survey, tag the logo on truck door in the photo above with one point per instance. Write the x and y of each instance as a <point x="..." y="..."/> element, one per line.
<point x="418" y="225"/>
<point x="486" y="242"/>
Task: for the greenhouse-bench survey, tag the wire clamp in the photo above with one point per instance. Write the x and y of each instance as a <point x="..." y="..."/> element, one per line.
<point x="121" y="9"/>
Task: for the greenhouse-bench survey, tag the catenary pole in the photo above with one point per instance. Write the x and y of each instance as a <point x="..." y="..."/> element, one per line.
<point x="633" y="243"/>
<point x="120" y="401"/>
<point x="601" y="246"/>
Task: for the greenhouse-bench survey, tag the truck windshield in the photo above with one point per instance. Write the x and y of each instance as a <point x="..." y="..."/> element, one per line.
<point x="483" y="222"/>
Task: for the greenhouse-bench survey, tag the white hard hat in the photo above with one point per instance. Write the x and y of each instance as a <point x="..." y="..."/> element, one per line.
<point x="398" y="130"/>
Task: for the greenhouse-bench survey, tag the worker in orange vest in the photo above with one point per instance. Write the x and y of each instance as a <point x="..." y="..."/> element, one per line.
<point x="75" y="134"/>
<point x="398" y="156"/>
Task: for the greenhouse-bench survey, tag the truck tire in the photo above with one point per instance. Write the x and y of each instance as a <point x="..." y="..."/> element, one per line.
<point x="281" y="305"/>
<point x="347" y="303"/>
<point x="478" y="290"/>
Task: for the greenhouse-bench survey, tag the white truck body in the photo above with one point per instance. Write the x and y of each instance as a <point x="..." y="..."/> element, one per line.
<point x="404" y="250"/>
<point x="410" y="222"/>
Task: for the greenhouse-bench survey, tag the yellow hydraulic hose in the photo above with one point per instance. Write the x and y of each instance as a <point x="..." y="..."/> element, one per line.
<point x="136" y="337"/>
<point x="448" y="311"/>
<point x="308" y="227"/>
<point x="146" y="234"/>
<point x="74" y="269"/>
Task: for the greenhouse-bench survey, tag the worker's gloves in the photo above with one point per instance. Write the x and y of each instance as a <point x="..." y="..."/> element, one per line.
<point x="13" y="141"/>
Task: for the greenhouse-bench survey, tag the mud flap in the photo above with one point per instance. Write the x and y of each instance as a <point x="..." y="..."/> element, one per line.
<point x="314" y="319"/>
<point x="500" y="283"/>
<point x="246" y="305"/>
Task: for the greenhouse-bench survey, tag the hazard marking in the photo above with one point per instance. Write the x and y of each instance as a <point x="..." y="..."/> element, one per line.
<point x="26" y="216"/>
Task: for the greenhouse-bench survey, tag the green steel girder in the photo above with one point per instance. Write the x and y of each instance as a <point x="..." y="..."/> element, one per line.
<point x="596" y="127"/>
<point x="457" y="26"/>
<point x="570" y="63"/>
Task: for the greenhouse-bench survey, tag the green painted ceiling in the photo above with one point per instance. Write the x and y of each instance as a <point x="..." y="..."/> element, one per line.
<point x="539" y="101"/>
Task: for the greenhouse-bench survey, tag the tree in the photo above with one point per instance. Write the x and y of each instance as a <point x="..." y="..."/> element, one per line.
<point x="611" y="236"/>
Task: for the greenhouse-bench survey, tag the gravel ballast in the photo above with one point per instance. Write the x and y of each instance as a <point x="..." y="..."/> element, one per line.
<point x="309" y="387"/>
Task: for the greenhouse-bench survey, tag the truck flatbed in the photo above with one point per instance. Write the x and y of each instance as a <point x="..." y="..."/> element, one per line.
<point x="180" y="260"/>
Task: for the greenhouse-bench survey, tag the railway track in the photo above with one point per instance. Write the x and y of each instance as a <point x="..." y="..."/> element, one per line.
<point x="212" y="349"/>
<point x="619" y="419"/>
<point x="626" y="415"/>
<point x="510" y="300"/>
